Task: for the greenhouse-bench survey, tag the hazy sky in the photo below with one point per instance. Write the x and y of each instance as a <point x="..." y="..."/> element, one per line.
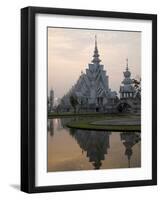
<point x="70" y="51"/>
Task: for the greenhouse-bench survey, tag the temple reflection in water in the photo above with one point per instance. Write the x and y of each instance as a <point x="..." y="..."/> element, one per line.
<point x="102" y="149"/>
<point x="129" y="139"/>
<point x="95" y="145"/>
<point x="51" y="127"/>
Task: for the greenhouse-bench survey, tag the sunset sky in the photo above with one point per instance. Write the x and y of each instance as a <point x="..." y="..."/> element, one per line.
<point x="70" y="51"/>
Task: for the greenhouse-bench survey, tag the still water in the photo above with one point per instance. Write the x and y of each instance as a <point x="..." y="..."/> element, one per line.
<point x="75" y="149"/>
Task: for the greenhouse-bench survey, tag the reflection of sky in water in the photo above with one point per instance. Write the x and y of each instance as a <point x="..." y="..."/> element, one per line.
<point x="71" y="149"/>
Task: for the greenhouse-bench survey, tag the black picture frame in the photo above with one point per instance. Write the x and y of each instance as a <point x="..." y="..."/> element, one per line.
<point x="28" y="98"/>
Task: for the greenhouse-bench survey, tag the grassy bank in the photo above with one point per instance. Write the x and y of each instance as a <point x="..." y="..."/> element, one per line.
<point x="54" y="115"/>
<point x="87" y="124"/>
<point x="70" y="114"/>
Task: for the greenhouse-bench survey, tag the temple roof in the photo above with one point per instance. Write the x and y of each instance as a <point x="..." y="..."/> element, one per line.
<point x="93" y="83"/>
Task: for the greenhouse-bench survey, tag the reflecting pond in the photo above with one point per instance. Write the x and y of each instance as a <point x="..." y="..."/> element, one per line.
<point x="75" y="149"/>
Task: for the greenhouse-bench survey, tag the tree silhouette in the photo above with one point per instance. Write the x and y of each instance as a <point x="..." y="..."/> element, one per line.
<point x="137" y="86"/>
<point x="74" y="102"/>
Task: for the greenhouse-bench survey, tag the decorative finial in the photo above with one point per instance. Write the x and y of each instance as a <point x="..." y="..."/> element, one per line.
<point x="95" y="40"/>
<point x="127" y="64"/>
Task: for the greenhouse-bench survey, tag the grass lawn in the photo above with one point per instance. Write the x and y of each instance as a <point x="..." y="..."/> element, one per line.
<point x="86" y="124"/>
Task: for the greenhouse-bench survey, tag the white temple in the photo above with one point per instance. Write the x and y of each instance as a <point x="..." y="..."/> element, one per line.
<point x="92" y="88"/>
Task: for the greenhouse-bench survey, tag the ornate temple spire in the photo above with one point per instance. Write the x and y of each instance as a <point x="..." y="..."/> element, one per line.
<point x="127" y="73"/>
<point x="96" y="59"/>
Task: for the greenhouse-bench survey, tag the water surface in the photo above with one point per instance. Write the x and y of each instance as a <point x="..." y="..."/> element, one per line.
<point x="75" y="149"/>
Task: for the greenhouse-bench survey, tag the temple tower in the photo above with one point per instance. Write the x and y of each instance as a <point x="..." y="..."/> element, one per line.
<point x="127" y="89"/>
<point x="51" y="99"/>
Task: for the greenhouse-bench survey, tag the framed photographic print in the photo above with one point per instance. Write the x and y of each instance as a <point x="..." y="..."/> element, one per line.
<point x="88" y="99"/>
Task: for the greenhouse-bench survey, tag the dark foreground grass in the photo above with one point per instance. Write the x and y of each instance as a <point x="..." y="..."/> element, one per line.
<point x="59" y="115"/>
<point x="70" y="114"/>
